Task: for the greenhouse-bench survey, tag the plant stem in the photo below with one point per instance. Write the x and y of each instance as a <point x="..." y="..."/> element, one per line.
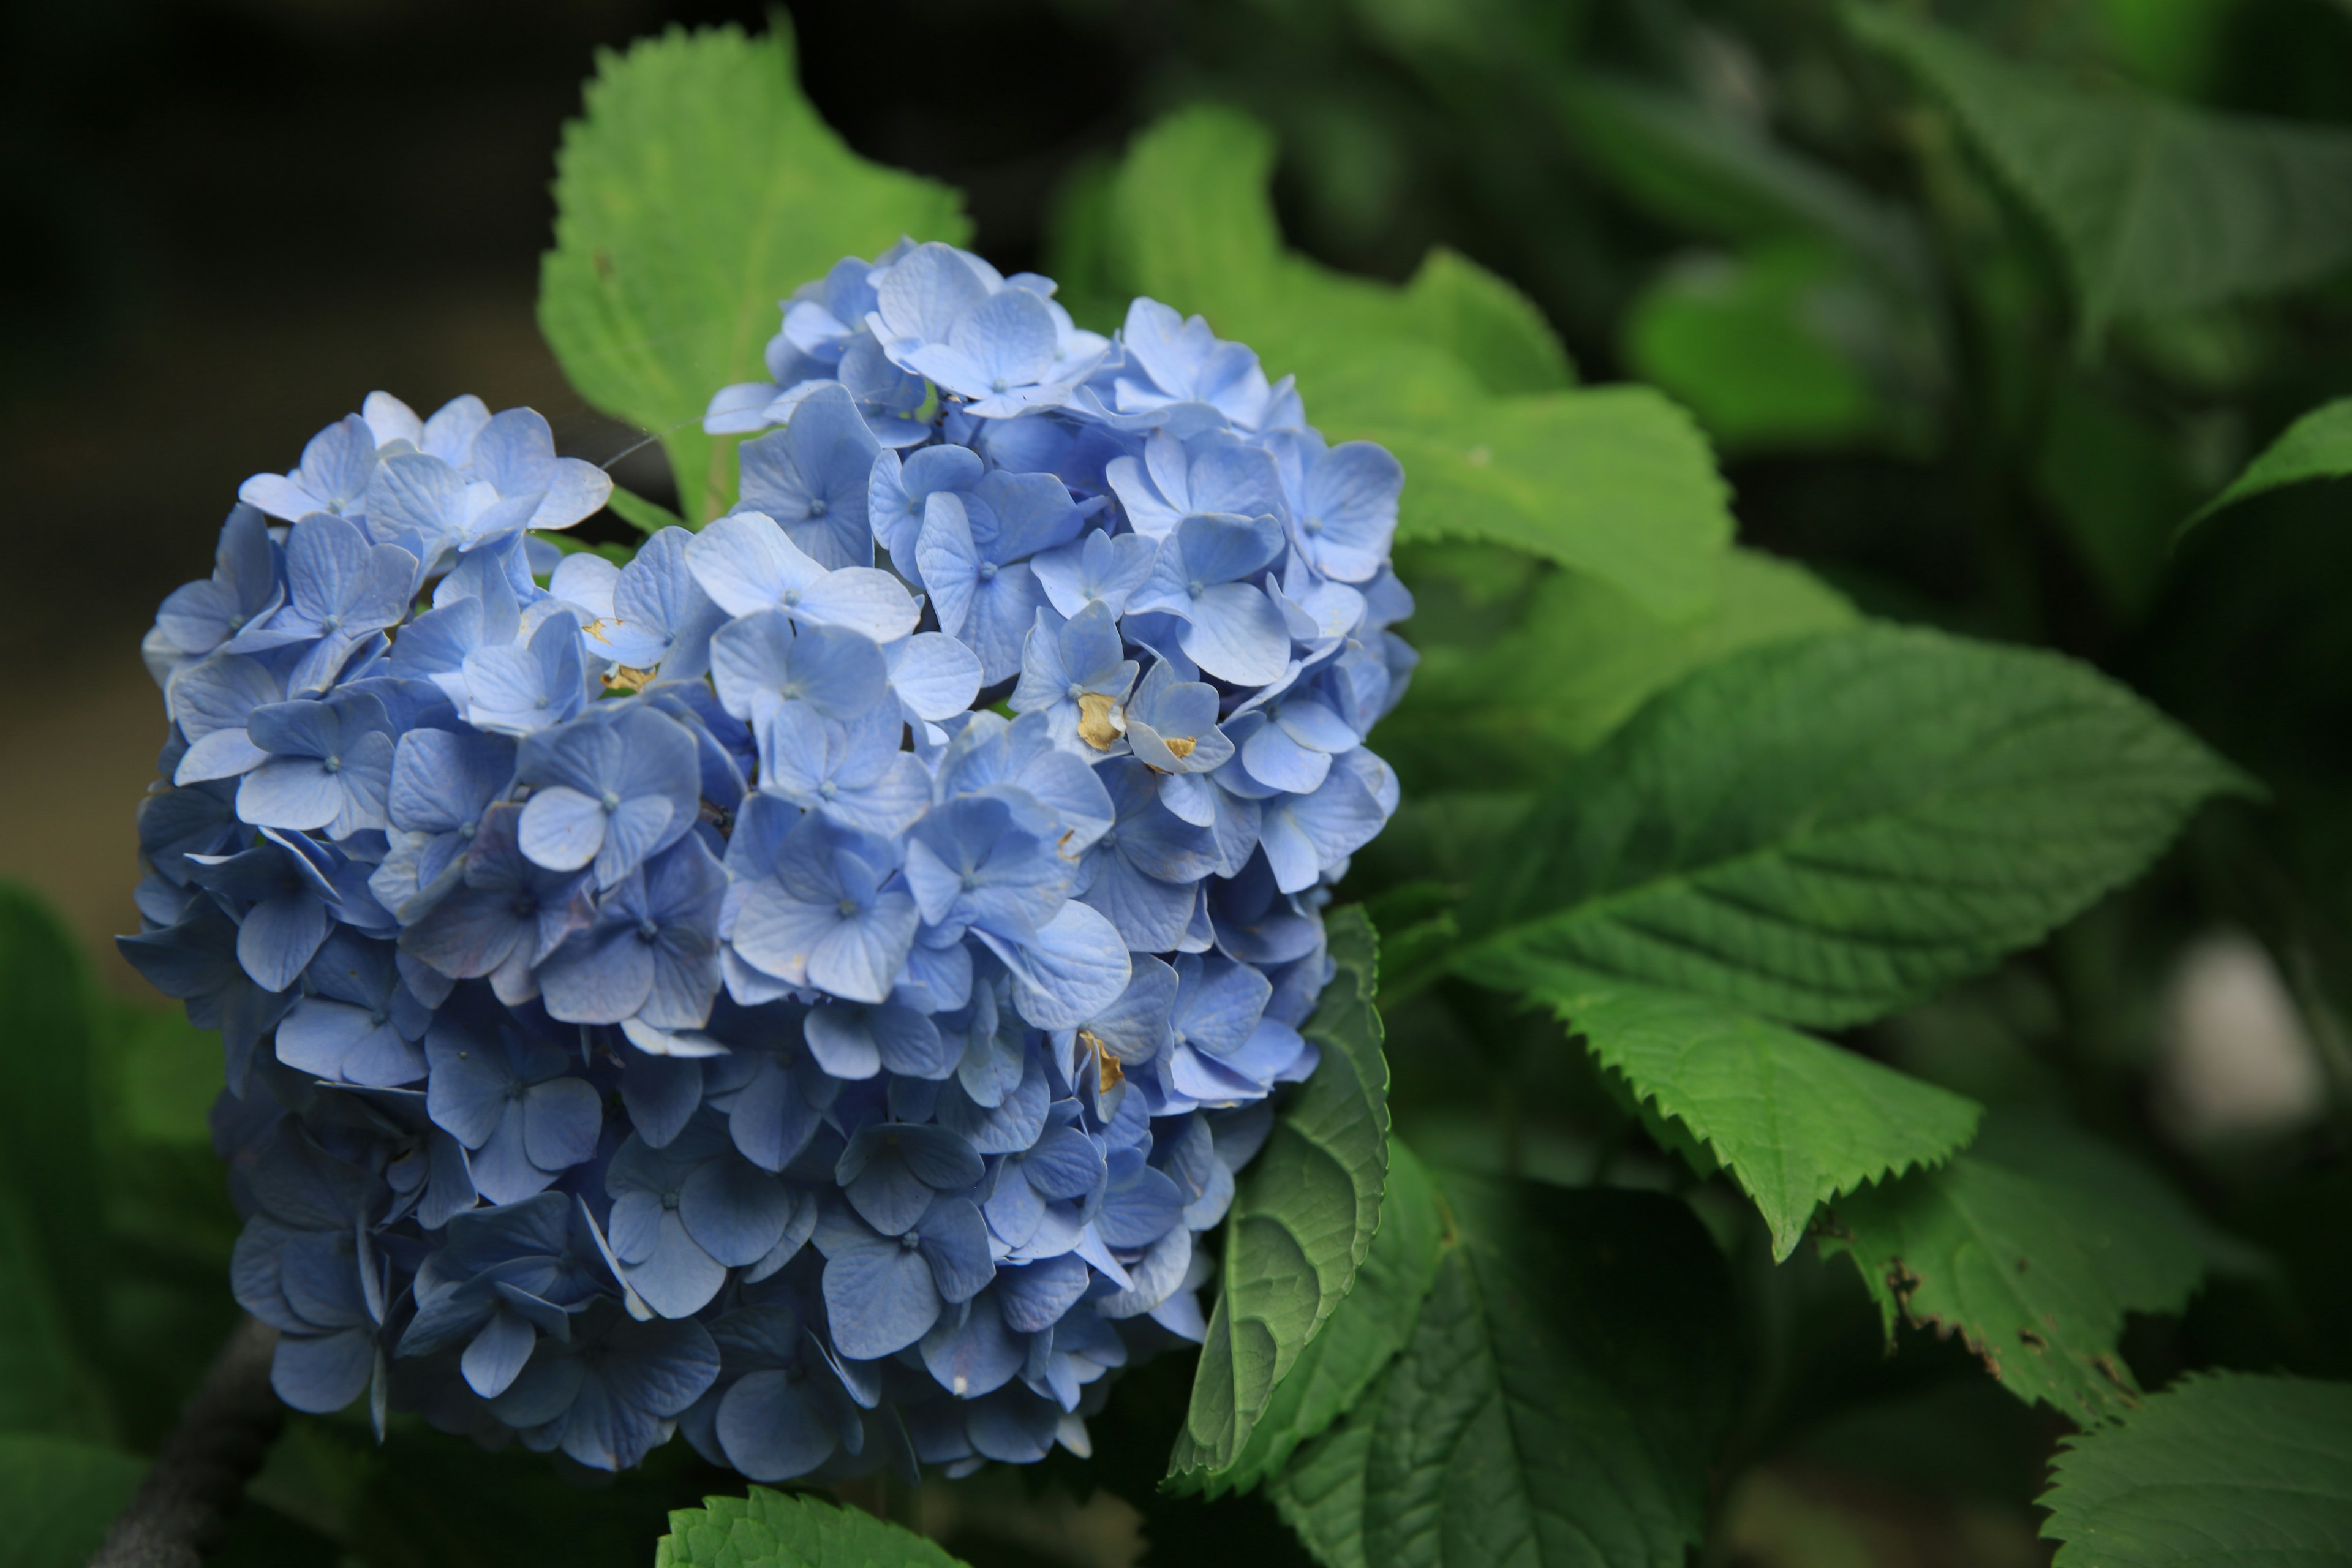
<point x="183" y="1508"/>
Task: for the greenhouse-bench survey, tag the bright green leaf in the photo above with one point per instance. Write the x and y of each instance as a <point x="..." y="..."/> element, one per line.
<point x="2221" y="1468"/>
<point x="2317" y="447"/>
<point x="772" y="1530"/>
<point x="1580" y="659"/>
<point x="2155" y="206"/>
<point x="644" y="516"/>
<point x="700" y="189"/>
<point x="57" y="1496"/>
<point x="1366" y="1330"/>
<point x="1823" y="829"/>
<point x="1617" y="482"/>
<point x="1302" y="1220"/>
<point x="2034" y="1273"/>
<point x="1562" y="1399"/>
<point x="1794" y="1119"/>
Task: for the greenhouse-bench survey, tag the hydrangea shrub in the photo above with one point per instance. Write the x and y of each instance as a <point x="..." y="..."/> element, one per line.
<point x="809" y="984"/>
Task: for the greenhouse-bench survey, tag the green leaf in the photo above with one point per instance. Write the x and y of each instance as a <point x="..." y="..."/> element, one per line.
<point x="2220" y="1469"/>
<point x="57" y="1496"/>
<point x="644" y="516"/>
<point x="2115" y="480"/>
<point x="1580" y="659"/>
<point x="1617" y="482"/>
<point x="2155" y="206"/>
<point x="1790" y="347"/>
<point x="1365" y="1332"/>
<point x="1823" y="829"/>
<point x="2034" y="1273"/>
<point x="1706" y="171"/>
<point x="1794" y="1119"/>
<point x="52" y="1226"/>
<point x="2317" y="447"/>
<point x="699" y="189"/>
<point x="772" y="1530"/>
<point x="1302" y="1220"/>
<point x="1562" y="1399"/>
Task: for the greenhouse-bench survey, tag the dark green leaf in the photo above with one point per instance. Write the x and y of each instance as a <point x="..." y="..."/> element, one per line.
<point x="1707" y="172"/>
<point x="1795" y="1120"/>
<point x="1823" y="829"/>
<point x="57" y="1496"/>
<point x="1366" y="1330"/>
<point x="772" y="1530"/>
<point x="52" y="1235"/>
<point x="1302" y="1220"/>
<point x="1561" y="1400"/>
<point x="2317" y="447"/>
<point x="2222" y="1469"/>
<point x="1617" y="482"/>
<point x="2034" y="1273"/>
<point x="699" y="189"/>
<point x="2155" y="206"/>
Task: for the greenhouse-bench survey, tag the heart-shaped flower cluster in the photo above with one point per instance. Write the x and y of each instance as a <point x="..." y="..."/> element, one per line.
<point x="810" y="982"/>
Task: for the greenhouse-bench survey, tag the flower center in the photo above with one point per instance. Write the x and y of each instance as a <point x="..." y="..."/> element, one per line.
<point x="849" y="908"/>
<point x="1196" y="587"/>
<point x="331" y="624"/>
<point x="646" y="930"/>
<point x="911" y="1241"/>
<point x="1312" y="526"/>
<point x="612" y="800"/>
<point x="669" y="1201"/>
<point x="817" y="507"/>
<point x="987" y="570"/>
<point x="828" y="789"/>
<point x="334" y="764"/>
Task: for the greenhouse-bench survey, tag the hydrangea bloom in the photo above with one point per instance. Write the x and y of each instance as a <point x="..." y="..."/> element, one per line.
<point x="810" y="986"/>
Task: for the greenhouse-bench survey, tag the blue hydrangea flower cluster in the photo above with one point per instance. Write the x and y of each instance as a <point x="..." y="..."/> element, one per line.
<point x="810" y="986"/>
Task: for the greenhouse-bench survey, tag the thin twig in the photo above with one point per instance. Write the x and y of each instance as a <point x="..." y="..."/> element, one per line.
<point x="183" y="1508"/>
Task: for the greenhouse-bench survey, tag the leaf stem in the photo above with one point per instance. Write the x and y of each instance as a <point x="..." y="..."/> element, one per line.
<point x="183" y="1507"/>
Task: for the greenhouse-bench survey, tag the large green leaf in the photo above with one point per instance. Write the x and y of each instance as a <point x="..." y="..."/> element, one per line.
<point x="772" y="1530"/>
<point x="2034" y="1272"/>
<point x="1302" y="1220"/>
<point x="1580" y="659"/>
<point x="1794" y="1119"/>
<point x="2224" y="1468"/>
<point x="1454" y="372"/>
<point x="2317" y="447"/>
<point x="1365" y="1332"/>
<point x="1821" y="830"/>
<point x="698" y="190"/>
<point x="57" y="1496"/>
<point x="2155" y="206"/>
<point x="1562" y="1400"/>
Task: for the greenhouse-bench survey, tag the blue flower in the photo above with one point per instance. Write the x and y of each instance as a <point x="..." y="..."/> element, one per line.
<point x="282" y="894"/>
<point x="505" y="1277"/>
<point x="443" y="782"/>
<point x="515" y="690"/>
<point x="359" y="1023"/>
<point x="609" y="1396"/>
<point x="810" y="478"/>
<point x="1232" y="630"/>
<point x="684" y="1215"/>
<point x="883" y="1293"/>
<point x="332" y="478"/>
<point x="1099" y="569"/>
<point x="1172" y="361"/>
<point x="506" y="918"/>
<point x="512" y="1102"/>
<point x="744" y="561"/>
<point x="306" y="1264"/>
<point x="897" y="493"/>
<point x="1344" y="500"/>
<point x="766" y="657"/>
<point x="329" y="766"/>
<point x="651" y="952"/>
<point x="831" y="914"/>
<point x="244" y="589"/>
<point x="781" y="1411"/>
<point x="854" y="772"/>
<point x="341" y="590"/>
<point x="1144" y="874"/>
<point x="607" y="789"/>
<point x="1171" y="723"/>
<point x="1211" y="473"/>
<point x="972" y="553"/>
<point x="971" y="862"/>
